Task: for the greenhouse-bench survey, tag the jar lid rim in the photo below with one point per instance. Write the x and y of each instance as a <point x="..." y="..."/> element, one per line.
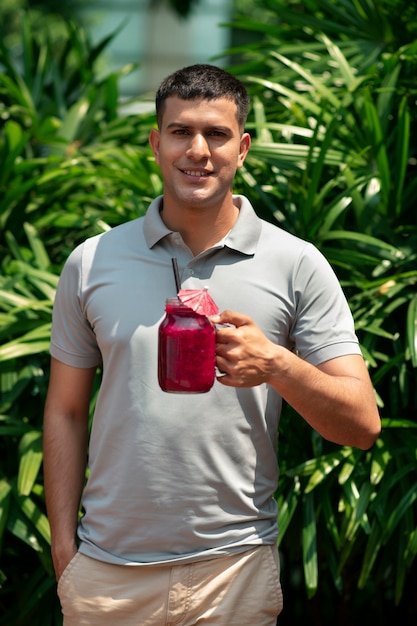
<point x="174" y="300"/>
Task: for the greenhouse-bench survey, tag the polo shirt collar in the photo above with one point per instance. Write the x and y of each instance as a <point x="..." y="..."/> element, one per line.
<point x="243" y="237"/>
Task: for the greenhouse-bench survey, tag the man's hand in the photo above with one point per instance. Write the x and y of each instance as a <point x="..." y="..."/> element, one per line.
<point x="62" y="559"/>
<point x="244" y="355"/>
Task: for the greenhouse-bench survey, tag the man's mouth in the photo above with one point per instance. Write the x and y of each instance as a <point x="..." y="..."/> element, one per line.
<point x="196" y="173"/>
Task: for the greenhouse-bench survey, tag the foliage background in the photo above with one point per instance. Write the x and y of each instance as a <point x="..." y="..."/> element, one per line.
<point x="333" y="160"/>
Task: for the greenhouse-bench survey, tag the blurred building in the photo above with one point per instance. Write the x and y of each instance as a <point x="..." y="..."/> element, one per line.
<point x="153" y="36"/>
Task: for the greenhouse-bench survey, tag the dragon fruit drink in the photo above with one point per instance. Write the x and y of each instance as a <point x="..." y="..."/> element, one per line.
<point x="186" y="350"/>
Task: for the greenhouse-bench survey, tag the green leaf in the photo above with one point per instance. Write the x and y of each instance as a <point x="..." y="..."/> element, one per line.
<point x="397" y="422"/>
<point x="39" y="252"/>
<point x="17" y="350"/>
<point x="345" y="68"/>
<point x="330" y="519"/>
<point x="318" y="84"/>
<point x="324" y="466"/>
<point x="263" y="133"/>
<point x="359" y="516"/>
<point x="309" y="545"/>
<point x="374" y="128"/>
<point x="30" y="452"/>
<point x="22" y="529"/>
<point x="291" y="94"/>
<point x="14" y="135"/>
<point x="10" y="427"/>
<point x="381" y="456"/>
<point x="372" y="549"/>
<point x="410" y="551"/>
<point x="5" y="493"/>
<point x="375" y="246"/>
<point x="73" y="119"/>
<point x="412" y="329"/>
<point x="27" y="509"/>
<point x="286" y="508"/>
<point x="397" y="514"/>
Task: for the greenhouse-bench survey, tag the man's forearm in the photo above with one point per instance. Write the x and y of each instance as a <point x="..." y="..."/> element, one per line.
<point x="336" y="398"/>
<point x="65" y="454"/>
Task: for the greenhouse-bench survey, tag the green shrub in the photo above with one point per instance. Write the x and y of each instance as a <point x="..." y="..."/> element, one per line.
<point x="334" y="161"/>
<point x="70" y="166"/>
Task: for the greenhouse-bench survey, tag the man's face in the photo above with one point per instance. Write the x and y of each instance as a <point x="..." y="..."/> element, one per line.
<point x="198" y="147"/>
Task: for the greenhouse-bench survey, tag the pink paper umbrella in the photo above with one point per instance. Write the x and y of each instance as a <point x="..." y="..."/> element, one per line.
<point x="199" y="300"/>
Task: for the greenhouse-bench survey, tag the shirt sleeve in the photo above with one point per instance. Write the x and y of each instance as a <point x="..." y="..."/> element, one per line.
<point x="323" y="328"/>
<point x="72" y="338"/>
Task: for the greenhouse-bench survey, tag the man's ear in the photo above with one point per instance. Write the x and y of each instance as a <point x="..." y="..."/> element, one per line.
<point x="244" y="148"/>
<point x="154" y="139"/>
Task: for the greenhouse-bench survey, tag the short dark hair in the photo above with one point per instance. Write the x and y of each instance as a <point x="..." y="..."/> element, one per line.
<point x="207" y="82"/>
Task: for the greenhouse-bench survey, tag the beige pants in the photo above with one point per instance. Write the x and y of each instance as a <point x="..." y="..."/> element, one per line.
<point x="238" y="590"/>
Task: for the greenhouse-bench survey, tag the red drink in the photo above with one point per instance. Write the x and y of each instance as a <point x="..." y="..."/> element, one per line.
<point x="186" y="350"/>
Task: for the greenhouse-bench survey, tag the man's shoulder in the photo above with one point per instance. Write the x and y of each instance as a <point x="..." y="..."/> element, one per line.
<point x="275" y="234"/>
<point x="120" y="234"/>
<point x="107" y="244"/>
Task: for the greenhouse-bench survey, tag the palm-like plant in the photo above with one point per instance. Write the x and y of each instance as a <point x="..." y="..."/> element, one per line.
<point x="60" y="127"/>
<point x="70" y="166"/>
<point x="334" y="160"/>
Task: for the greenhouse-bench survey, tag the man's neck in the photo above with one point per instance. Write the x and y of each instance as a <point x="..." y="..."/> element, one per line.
<point x="200" y="229"/>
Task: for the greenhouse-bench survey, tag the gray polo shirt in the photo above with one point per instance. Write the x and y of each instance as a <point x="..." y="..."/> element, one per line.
<point x="181" y="477"/>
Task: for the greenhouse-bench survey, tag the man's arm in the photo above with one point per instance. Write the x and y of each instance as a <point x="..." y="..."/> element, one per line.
<point x="336" y="398"/>
<point x="65" y="443"/>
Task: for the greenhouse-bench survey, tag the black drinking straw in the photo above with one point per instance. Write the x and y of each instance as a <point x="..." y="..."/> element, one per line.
<point x="176" y="274"/>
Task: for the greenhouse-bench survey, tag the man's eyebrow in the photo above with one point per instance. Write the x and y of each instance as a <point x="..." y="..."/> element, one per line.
<point x="177" y="125"/>
<point x="208" y="127"/>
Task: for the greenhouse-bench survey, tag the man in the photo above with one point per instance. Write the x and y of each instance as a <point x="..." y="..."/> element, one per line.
<point x="179" y="519"/>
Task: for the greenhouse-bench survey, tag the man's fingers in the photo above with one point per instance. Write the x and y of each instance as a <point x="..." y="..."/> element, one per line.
<point x="231" y="318"/>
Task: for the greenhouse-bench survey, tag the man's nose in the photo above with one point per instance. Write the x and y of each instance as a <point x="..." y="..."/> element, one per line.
<point x="198" y="147"/>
